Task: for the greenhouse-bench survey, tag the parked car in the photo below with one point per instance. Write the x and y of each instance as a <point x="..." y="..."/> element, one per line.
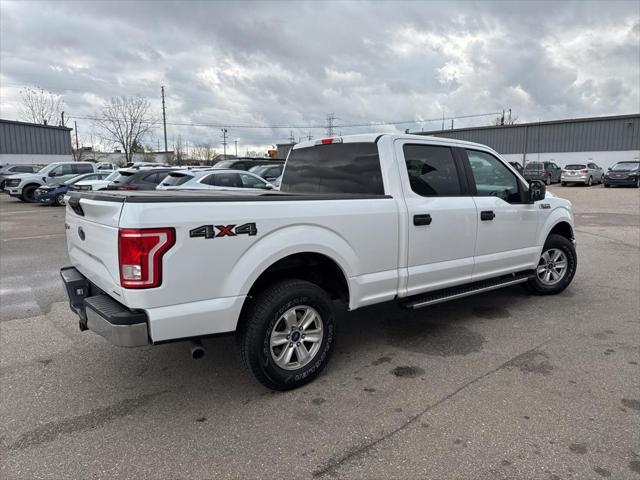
<point x="9" y="170"/>
<point x="54" y="194"/>
<point x="363" y="218"/>
<point x="94" y="185"/>
<point x="241" y="163"/>
<point x="268" y="172"/>
<point x="584" y="173"/>
<point x="623" y="173"/>
<point x="547" y="172"/>
<point x="24" y="185"/>
<point x="213" y="179"/>
<point x="518" y="167"/>
<point x="142" y="179"/>
<point x="105" y="166"/>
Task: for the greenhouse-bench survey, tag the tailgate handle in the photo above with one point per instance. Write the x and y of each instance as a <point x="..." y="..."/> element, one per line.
<point x="422" y="219"/>
<point x="74" y="203"/>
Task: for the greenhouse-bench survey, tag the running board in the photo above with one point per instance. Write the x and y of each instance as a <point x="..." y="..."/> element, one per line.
<point x="452" y="293"/>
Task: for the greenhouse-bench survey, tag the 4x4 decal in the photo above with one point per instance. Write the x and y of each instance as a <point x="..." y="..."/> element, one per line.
<point x="209" y="231"/>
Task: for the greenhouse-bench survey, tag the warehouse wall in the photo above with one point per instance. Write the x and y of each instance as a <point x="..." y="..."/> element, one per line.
<point x="602" y="159"/>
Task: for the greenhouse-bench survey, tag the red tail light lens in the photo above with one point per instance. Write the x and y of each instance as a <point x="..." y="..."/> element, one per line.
<point x="140" y="255"/>
<point x="584" y="170"/>
<point x="328" y="141"/>
<point x="127" y="187"/>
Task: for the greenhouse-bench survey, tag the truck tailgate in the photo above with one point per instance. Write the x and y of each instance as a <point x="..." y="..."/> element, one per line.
<point x="92" y="240"/>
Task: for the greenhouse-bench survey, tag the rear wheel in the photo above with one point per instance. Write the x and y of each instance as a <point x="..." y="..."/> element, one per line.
<point x="28" y="193"/>
<point x="287" y="334"/>
<point x="60" y="199"/>
<point x="548" y="181"/>
<point x="556" y="267"/>
<point x="589" y="182"/>
<point x="564" y="184"/>
<point x="606" y="185"/>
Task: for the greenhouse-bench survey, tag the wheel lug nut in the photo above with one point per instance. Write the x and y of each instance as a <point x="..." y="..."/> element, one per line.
<point x="302" y="335"/>
<point x="291" y="345"/>
<point x="298" y="344"/>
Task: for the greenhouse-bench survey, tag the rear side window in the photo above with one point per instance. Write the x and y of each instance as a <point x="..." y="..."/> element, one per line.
<point x="175" y="179"/>
<point x="83" y="168"/>
<point x="229" y="180"/>
<point x="335" y="168"/>
<point x="432" y="171"/>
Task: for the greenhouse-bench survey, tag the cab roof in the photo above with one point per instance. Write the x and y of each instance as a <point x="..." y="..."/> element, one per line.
<point x="374" y="137"/>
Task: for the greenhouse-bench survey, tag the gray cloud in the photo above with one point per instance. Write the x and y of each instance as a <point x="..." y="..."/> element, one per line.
<point x="292" y="63"/>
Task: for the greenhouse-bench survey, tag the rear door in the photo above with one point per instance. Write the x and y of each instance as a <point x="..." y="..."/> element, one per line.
<point x="442" y="216"/>
<point x="507" y="223"/>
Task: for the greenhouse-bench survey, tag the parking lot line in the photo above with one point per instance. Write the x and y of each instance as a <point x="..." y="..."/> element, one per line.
<point x="51" y="235"/>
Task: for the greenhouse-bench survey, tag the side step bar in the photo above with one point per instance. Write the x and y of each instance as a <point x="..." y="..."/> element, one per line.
<point x="439" y="296"/>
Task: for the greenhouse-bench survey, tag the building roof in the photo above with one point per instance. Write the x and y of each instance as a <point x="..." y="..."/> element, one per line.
<point x="36" y="125"/>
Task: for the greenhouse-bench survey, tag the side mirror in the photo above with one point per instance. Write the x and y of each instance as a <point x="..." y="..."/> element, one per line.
<point x="609" y="169"/>
<point x="537" y="190"/>
<point x="52" y="174"/>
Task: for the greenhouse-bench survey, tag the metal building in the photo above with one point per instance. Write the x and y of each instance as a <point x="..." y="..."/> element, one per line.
<point x="22" y="142"/>
<point x="603" y="140"/>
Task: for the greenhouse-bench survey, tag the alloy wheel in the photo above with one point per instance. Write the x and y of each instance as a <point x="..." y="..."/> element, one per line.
<point x="552" y="266"/>
<point x="296" y="337"/>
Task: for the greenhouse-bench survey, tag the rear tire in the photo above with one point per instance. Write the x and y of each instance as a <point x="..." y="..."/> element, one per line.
<point x="564" y="184"/>
<point x="556" y="268"/>
<point x="606" y="185"/>
<point x="548" y="181"/>
<point x="280" y="362"/>
<point x="28" y="193"/>
<point x="60" y="200"/>
<point x="589" y="182"/>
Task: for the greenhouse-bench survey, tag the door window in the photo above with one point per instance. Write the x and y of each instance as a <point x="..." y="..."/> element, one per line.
<point x="82" y="168"/>
<point x="228" y="180"/>
<point x="432" y="171"/>
<point x="493" y="178"/>
<point x="64" y="169"/>
<point x="249" y="181"/>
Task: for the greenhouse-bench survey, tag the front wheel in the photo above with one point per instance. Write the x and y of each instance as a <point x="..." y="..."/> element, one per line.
<point x="29" y="193"/>
<point x="60" y="199"/>
<point x="564" y="184"/>
<point x="556" y="267"/>
<point x="606" y="185"/>
<point x="589" y="182"/>
<point x="548" y="181"/>
<point x="286" y="335"/>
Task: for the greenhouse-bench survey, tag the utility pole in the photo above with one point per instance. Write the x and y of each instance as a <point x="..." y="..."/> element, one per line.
<point x="62" y="118"/>
<point x="502" y="118"/>
<point x="292" y="139"/>
<point x="75" y="127"/>
<point x="309" y="137"/>
<point x="164" y="119"/>
<point x="331" y="117"/>
<point x="158" y="146"/>
<point x="442" y="120"/>
<point x="236" y="142"/>
<point x="452" y="124"/>
<point x="224" y="143"/>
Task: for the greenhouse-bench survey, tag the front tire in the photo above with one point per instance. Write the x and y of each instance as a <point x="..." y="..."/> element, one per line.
<point x="589" y="182"/>
<point x="556" y="267"/>
<point x="28" y="193"/>
<point x="606" y="185"/>
<point x="287" y="333"/>
<point x="60" y="199"/>
<point x="548" y="181"/>
<point x="564" y="184"/>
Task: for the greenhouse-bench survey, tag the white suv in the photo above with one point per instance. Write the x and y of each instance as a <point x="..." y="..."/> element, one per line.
<point x="23" y="186"/>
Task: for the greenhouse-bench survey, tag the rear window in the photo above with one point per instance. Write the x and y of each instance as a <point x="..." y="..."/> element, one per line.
<point x="533" y="166"/>
<point x="335" y="168"/>
<point x="175" y="179"/>
<point x="575" y="166"/>
<point x="225" y="164"/>
<point x="123" y="176"/>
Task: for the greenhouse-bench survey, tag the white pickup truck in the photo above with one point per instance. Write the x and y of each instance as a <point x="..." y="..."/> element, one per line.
<point x="364" y="219"/>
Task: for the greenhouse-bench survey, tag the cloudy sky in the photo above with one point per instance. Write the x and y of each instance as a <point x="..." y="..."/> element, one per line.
<point x="290" y="64"/>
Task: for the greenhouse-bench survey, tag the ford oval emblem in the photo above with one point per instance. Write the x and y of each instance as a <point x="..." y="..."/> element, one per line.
<point x="81" y="233"/>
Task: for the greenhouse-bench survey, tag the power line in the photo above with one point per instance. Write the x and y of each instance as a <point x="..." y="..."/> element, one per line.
<point x="307" y="127"/>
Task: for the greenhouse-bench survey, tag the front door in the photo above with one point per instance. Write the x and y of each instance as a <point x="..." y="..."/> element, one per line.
<point x="441" y="217"/>
<point x="507" y="223"/>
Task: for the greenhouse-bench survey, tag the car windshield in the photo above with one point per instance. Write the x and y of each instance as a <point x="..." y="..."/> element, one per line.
<point x="575" y="166"/>
<point x="259" y="169"/>
<point x="48" y="168"/>
<point x="625" y="166"/>
<point x="533" y="166"/>
<point x="224" y="164"/>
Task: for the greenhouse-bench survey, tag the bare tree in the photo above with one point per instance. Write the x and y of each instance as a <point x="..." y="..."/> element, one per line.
<point x="204" y="153"/>
<point x="179" y="151"/>
<point x="40" y="106"/>
<point x="126" y="121"/>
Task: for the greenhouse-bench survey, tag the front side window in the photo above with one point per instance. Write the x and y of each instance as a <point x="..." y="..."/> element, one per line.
<point x="493" y="178"/>
<point x="249" y="181"/>
<point x="64" y="169"/>
<point x="432" y="170"/>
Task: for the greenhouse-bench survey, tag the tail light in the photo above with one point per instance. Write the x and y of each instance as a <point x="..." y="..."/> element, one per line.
<point x="544" y="173"/>
<point x="127" y="187"/>
<point x="584" y="170"/>
<point x="140" y="255"/>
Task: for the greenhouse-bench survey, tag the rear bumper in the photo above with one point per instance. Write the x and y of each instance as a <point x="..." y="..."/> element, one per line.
<point x="102" y="314"/>
<point x="574" y="178"/>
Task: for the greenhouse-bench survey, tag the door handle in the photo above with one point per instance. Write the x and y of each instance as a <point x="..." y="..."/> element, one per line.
<point x="487" y="215"/>
<point x="422" y="219"/>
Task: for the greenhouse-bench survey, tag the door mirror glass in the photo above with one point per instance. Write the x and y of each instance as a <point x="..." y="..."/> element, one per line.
<point x="53" y="174"/>
<point x="537" y="190"/>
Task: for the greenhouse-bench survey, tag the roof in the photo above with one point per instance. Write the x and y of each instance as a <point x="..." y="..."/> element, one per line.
<point x="373" y="137"/>
<point x="35" y="125"/>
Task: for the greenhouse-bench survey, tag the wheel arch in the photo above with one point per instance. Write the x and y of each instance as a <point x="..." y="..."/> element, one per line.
<point x="559" y="222"/>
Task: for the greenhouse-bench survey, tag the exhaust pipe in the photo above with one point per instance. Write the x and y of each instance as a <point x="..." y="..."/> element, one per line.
<point x="197" y="350"/>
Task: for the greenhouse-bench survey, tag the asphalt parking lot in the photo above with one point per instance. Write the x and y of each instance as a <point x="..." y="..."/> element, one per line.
<point x="501" y="385"/>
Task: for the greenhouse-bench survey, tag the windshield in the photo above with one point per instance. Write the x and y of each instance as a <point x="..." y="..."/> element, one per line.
<point x="625" y="166"/>
<point x="174" y="179"/>
<point x="533" y="166"/>
<point x="576" y="166"/>
<point x="224" y="164"/>
<point x="259" y="169"/>
<point x="48" y="168"/>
